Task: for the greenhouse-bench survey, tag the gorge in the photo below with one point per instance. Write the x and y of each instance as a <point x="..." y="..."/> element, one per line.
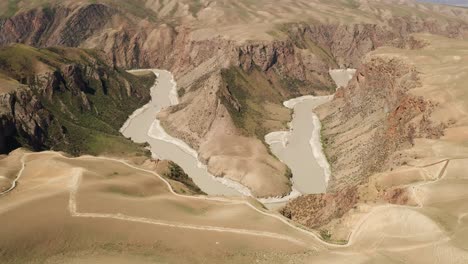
<point x="298" y="148"/>
<point x="144" y="127"/>
<point x="288" y="131"/>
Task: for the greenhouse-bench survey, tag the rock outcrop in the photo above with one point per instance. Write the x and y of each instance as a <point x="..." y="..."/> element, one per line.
<point x="315" y="211"/>
<point x="378" y="97"/>
<point x="62" y="95"/>
<point x="226" y="78"/>
<point x="364" y="128"/>
<point x="23" y="120"/>
<point x="51" y="26"/>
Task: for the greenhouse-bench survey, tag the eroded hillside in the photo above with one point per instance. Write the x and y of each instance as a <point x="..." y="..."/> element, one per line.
<point x="66" y="99"/>
<point x="234" y="61"/>
<point x="393" y="129"/>
<point x="396" y="136"/>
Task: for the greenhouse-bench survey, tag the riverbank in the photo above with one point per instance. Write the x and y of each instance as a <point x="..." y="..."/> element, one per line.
<point x="143" y="127"/>
<point x="300" y="147"/>
<point x="308" y="164"/>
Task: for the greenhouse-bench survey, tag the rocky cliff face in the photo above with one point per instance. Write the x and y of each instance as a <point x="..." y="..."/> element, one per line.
<point x="65" y="93"/>
<point x="346" y="45"/>
<point x="68" y="26"/>
<point x="363" y="129"/>
<point x="315" y="211"/>
<point x="229" y="84"/>
<point x="262" y="74"/>
<point x="378" y="97"/>
<point x="23" y="120"/>
<point x="133" y="42"/>
<point x="304" y="52"/>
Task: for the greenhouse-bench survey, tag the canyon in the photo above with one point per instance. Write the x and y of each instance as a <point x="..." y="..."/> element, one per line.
<point x="143" y="127"/>
<point x="250" y="75"/>
<point x="402" y="123"/>
<point x="394" y="136"/>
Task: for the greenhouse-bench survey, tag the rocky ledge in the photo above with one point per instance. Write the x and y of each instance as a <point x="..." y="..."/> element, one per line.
<point x="365" y="128"/>
<point x="64" y="99"/>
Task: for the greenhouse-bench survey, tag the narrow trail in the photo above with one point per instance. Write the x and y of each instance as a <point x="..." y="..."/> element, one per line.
<point x="420" y="204"/>
<point x="73" y="205"/>
<point x="73" y="209"/>
<point x="76" y="179"/>
<point x="439" y="177"/>
<point x="15" y="181"/>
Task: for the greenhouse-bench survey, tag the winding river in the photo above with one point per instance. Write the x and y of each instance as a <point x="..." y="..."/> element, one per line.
<point x="300" y="147"/>
<point x="142" y="126"/>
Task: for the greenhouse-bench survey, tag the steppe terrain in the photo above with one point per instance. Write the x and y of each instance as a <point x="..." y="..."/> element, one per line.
<point x="101" y="210"/>
<point x="235" y="62"/>
<point x="395" y="137"/>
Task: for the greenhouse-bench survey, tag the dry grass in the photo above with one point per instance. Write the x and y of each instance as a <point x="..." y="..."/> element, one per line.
<point x="36" y="225"/>
<point x="262" y="19"/>
<point x="40" y="204"/>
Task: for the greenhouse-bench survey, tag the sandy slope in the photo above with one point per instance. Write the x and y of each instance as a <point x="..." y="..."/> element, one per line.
<point x="119" y="192"/>
<point x="64" y="209"/>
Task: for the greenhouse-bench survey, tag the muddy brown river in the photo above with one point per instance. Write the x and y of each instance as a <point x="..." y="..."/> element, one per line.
<point x="299" y="147"/>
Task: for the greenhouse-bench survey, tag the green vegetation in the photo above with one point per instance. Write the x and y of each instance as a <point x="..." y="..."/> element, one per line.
<point x="18" y="60"/>
<point x="325" y="144"/>
<point x="249" y="93"/>
<point x="89" y="100"/>
<point x="176" y="173"/>
<point x="174" y="10"/>
<point x="134" y="7"/>
<point x="121" y="190"/>
<point x="254" y="99"/>
<point x="185" y="208"/>
<point x="195" y="6"/>
<point x="323" y="138"/>
<point x="288" y="173"/>
<point x="181" y="92"/>
<point x="352" y="4"/>
<point x="11" y="9"/>
<point x="96" y="130"/>
<point x="292" y="84"/>
<point x="326" y="236"/>
<point x="307" y="44"/>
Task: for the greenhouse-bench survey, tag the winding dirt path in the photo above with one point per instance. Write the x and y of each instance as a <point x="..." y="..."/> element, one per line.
<point x="414" y="187"/>
<point x="440" y="176"/>
<point x="77" y="176"/>
<point x="73" y="209"/>
<point x="15" y="181"/>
